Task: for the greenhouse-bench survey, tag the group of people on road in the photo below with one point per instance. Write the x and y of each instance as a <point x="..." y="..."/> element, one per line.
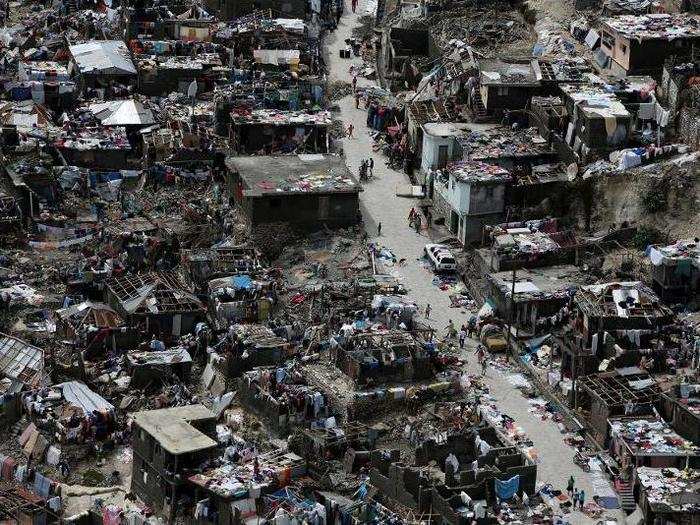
<point x="578" y="497"/>
<point x="465" y="331"/>
<point x="415" y="221"/>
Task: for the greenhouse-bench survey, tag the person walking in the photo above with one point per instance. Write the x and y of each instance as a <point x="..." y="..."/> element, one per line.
<point x="484" y="365"/>
<point x="574" y="497"/>
<point x="581" y="499"/>
<point x="417" y="222"/>
<point x="471" y="325"/>
<point x="357" y="101"/>
<point x="354" y="84"/>
<point x="428" y="309"/>
<point x="354" y="5"/>
<point x="462" y="336"/>
<point x="411" y="214"/>
<point x="570" y="486"/>
<point x="451" y="331"/>
<point x="351" y="128"/>
<point x="371" y="167"/>
<point x="379" y="229"/>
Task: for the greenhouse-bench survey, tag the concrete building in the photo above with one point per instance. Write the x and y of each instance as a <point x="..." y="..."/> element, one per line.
<point x="468" y="195"/>
<point x="306" y="191"/>
<point x="167" y="443"/>
<point x="440" y="145"/>
<point x="641" y="44"/>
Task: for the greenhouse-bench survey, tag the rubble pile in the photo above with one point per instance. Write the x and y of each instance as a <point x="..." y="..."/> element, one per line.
<point x="209" y="312"/>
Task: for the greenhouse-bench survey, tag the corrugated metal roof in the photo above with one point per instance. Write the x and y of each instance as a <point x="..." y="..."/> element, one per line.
<point x="103" y="56"/>
<point x="20" y="360"/>
<point x="122" y="113"/>
<point x="78" y="394"/>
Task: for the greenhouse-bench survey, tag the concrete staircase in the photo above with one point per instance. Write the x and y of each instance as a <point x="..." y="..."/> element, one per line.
<point x="626" y="493"/>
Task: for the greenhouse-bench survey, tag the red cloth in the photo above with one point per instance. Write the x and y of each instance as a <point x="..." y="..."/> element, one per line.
<point x="8" y="469"/>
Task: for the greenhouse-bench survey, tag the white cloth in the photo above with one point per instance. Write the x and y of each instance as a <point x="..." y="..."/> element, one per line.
<point x="192" y="89"/>
<point x="656" y="257"/>
<point x="453" y="462"/>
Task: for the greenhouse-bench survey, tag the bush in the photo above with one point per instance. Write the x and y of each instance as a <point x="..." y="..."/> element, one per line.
<point x="645" y="236"/>
<point x="654" y="198"/>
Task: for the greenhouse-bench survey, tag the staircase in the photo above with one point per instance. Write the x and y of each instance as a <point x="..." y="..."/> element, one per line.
<point x="479" y="109"/>
<point x="626" y="496"/>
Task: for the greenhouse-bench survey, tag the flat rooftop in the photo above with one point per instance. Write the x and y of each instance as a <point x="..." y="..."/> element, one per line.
<point x="470" y="171"/>
<point x="172" y="428"/>
<point x="501" y="141"/>
<point x="539" y="283"/>
<point x="496" y="72"/>
<point x="291" y="174"/>
<point x="662" y="26"/>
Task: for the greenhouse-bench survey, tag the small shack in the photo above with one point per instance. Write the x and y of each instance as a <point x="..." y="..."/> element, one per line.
<point x="98" y="62"/>
<point x="157" y="302"/>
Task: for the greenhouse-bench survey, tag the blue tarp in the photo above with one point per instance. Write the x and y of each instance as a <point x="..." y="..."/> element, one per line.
<point x="507" y="489"/>
<point x="534" y="344"/>
<point x="242" y="282"/>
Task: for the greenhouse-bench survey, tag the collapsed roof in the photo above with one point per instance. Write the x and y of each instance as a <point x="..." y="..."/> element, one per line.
<point x="153" y="293"/>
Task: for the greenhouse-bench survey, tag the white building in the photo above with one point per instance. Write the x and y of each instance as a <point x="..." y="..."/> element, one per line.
<point x="469" y="195"/>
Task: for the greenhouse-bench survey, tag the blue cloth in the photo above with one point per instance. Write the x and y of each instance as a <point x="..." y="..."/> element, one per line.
<point x="42" y="485"/>
<point x="534" y="344"/>
<point x="507" y="489"/>
<point x="242" y="282"/>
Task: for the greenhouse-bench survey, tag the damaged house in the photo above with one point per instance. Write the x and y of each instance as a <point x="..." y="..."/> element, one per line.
<point x="650" y="442"/>
<point x="95" y="147"/>
<point x="156" y="302"/>
<point x="675" y="270"/>
<point x="20" y="361"/>
<point x="529" y="244"/>
<point x="93" y="327"/>
<point x="379" y="357"/>
<point x="263" y="131"/>
<point x="681" y="407"/>
<point x="399" y="49"/>
<point x="598" y="121"/>
<point x="620" y="323"/>
<point x="506" y="84"/>
<point x="255" y="346"/>
<point x="147" y="368"/>
<point x="240" y="298"/>
<point x="280" y="396"/>
<point x="539" y="293"/>
<point x="612" y="394"/>
<point x="228" y="491"/>
<point x="224" y="259"/>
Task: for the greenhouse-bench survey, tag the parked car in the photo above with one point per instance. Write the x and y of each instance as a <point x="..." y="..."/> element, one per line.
<point x="441" y="257"/>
